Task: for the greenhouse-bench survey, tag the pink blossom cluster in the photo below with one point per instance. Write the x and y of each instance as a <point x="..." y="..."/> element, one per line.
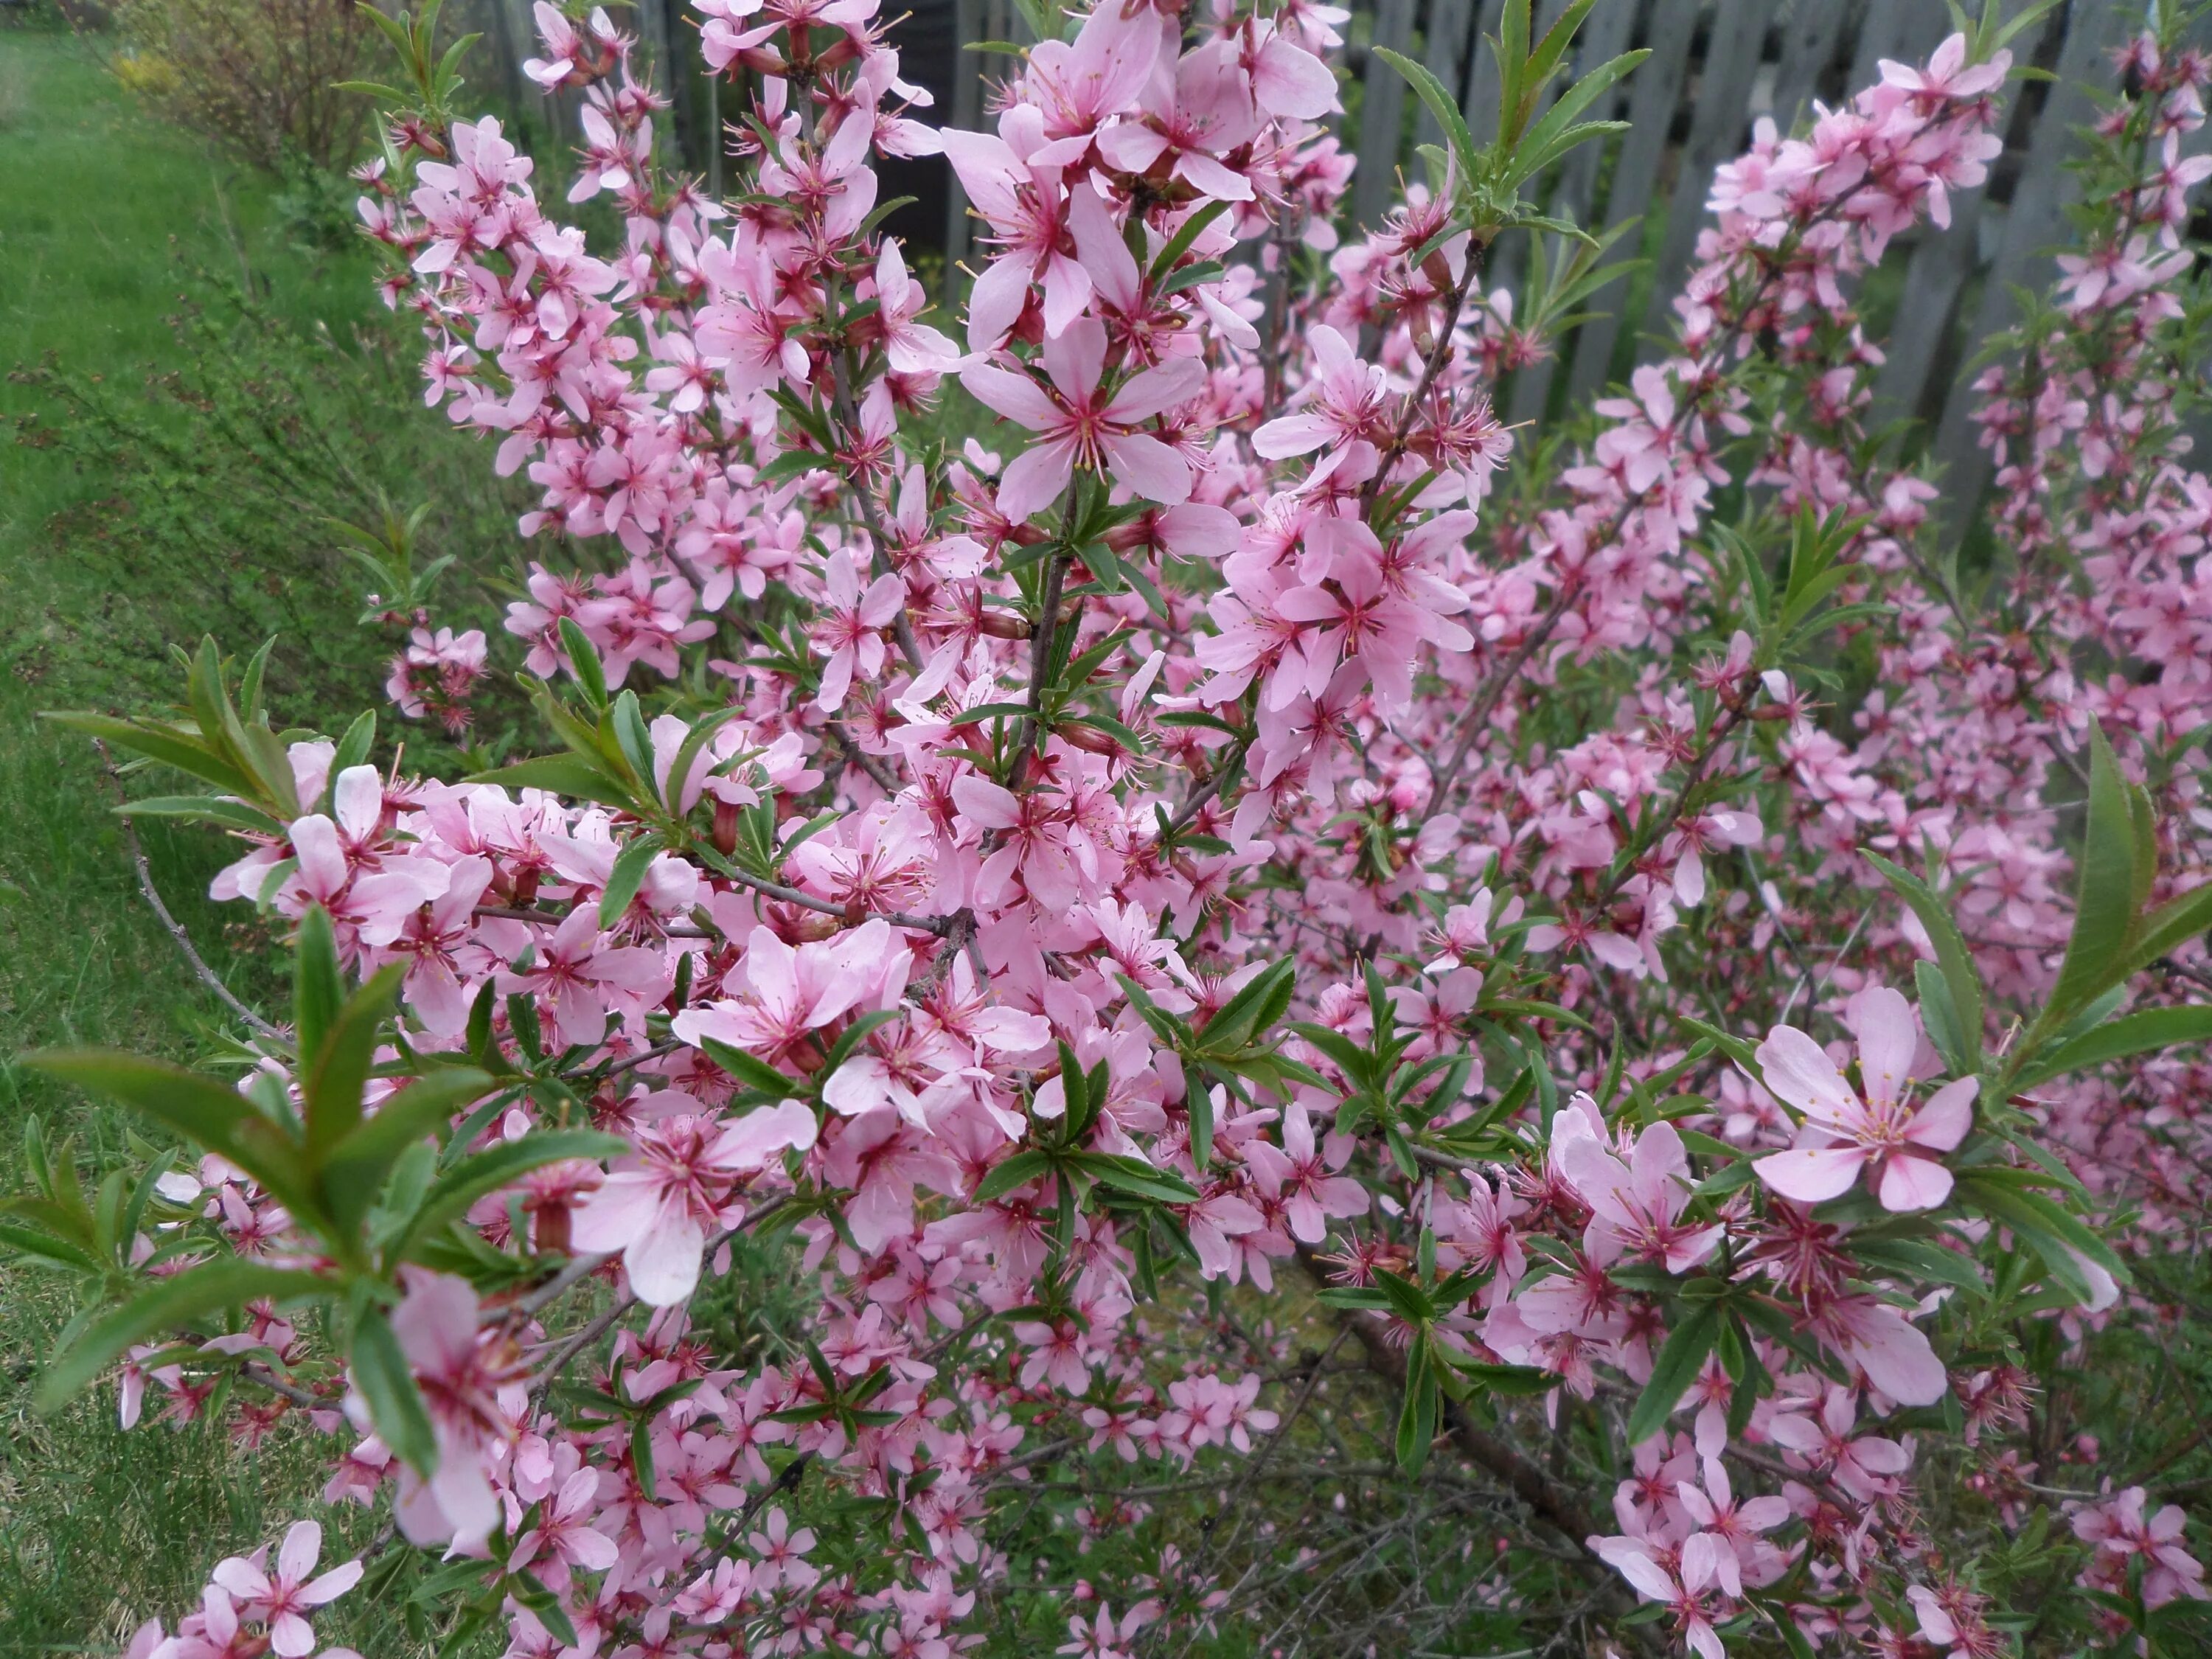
<point x="1017" y="705"/>
<point x="250" y="1607"/>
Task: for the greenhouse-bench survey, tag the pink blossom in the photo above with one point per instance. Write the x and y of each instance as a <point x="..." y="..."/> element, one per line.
<point x="1082" y="427"/>
<point x="1896" y="1145"/>
<point x="284" y="1599"/>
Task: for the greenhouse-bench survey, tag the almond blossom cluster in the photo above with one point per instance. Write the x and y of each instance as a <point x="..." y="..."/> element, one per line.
<point x="1135" y="829"/>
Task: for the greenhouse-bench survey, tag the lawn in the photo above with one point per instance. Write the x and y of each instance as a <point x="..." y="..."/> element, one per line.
<point x="106" y="220"/>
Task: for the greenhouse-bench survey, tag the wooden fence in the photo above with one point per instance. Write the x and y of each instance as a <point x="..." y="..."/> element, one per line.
<point x="1716" y="66"/>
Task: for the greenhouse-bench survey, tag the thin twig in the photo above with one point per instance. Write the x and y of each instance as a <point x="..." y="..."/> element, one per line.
<point x="787" y="1480"/>
<point x="1486" y="701"/>
<point x="582" y="1267"/>
<point x="849" y="422"/>
<point x="206" y="976"/>
<point x="262" y="1377"/>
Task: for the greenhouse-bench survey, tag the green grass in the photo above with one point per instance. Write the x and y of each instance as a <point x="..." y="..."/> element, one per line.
<point x="107" y="218"/>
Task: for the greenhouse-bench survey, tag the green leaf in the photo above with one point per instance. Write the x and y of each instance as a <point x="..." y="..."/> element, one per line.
<point x="1546" y="56"/>
<point x="1411" y="1303"/>
<point x="626" y="878"/>
<point x="213" y="1117"/>
<point x="1136" y="1177"/>
<point x="2172" y="924"/>
<point x="2054" y="1235"/>
<point x="561" y="774"/>
<point x="1913" y="1259"/>
<point x="353" y="1171"/>
<point x="1520" y="1381"/>
<point x="1417" y="1417"/>
<point x="1940" y="1018"/>
<point x="856" y="1033"/>
<point x="2104" y="896"/>
<point x="1559" y="132"/>
<point x="756" y="1073"/>
<point x="584" y="662"/>
<point x="496" y="1167"/>
<point x="318" y="988"/>
<point x="1675" y="1371"/>
<point x="167" y="1305"/>
<point x="1016" y="1171"/>
<point x="633" y="737"/>
<point x="1200" y="1104"/>
<point x="1951" y="953"/>
<point x="2142" y="1032"/>
<point x="1354" y="1062"/>
<point x="1249" y="1011"/>
<point x="1443" y="106"/>
<point x="1185" y="237"/>
<point x="694" y="744"/>
<point x="31" y="1242"/>
<point x="1512" y="46"/>
<point x="204" y="809"/>
<point x="167" y="744"/>
<point x="640" y="1458"/>
<point x="380" y="1372"/>
<point x="352" y="750"/>
<point x="335" y="1072"/>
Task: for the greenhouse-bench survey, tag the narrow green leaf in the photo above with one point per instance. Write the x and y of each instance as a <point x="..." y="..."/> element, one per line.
<point x="336" y="1070"/>
<point x="1016" y="1171"/>
<point x="1200" y="1102"/>
<point x="2173" y="925"/>
<point x="1441" y="104"/>
<point x="1186" y="235"/>
<point x="2104" y="904"/>
<point x="167" y="744"/>
<point x="584" y="662"/>
<point x="213" y="1117"/>
<point x="353" y="1171"/>
<point x="561" y="774"/>
<point x="2141" y="1032"/>
<point x="170" y="1304"/>
<point x="204" y="809"/>
<point x="1136" y="1177"/>
<point x="1417" y="1417"/>
<point x="1940" y="1018"/>
<point x="1518" y="1380"/>
<point x="380" y="1372"/>
<point x="1951" y="952"/>
<point x="750" y="1070"/>
<point x="1675" y="1371"/>
<point x="1560" y="130"/>
<point x="626" y="878"/>
<point x="497" y="1167"/>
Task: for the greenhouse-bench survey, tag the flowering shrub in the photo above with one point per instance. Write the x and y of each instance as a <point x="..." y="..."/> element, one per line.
<point x="258" y="80"/>
<point x="1618" y="935"/>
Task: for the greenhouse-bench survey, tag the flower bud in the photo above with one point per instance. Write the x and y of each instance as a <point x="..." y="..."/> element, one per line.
<point x="1089" y="739"/>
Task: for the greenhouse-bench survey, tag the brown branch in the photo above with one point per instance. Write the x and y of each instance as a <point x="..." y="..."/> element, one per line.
<point x="1545" y="1498"/>
<point x="849" y="422"/>
<point x="581" y="1268"/>
<point x="1486" y="702"/>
